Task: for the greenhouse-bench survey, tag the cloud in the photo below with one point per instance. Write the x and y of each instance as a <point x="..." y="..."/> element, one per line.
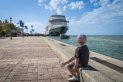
<point x="65" y="8"/>
<point x="41" y="1"/>
<point x="101" y="20"/>
<point x="76" y="5"/>
<point x="47" y="7"/>
<point x="60" y="6"/>
<point x="98" y="3"/>
<point x="105" y="2"/>
<point x="56" y="3"/>
<point x="93" y="1"/>
<point x="59" y="11"/>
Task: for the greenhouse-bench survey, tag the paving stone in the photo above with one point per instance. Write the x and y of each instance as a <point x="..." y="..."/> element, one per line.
<point x="2" y="79"/>
<point x="44" y="80"/>
<point x="8" y="80"/>
<point x="29" y="59"/>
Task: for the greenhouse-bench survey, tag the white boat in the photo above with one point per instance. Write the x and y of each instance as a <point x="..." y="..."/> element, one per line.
<point x="57" y="25"/>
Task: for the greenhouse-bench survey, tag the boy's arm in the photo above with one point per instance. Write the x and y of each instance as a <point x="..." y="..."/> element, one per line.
<point x="76" y="65"/>
<point x="71" y="59"/>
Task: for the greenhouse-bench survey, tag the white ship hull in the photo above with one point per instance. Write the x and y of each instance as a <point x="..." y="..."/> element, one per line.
<point x="58" y="30"/>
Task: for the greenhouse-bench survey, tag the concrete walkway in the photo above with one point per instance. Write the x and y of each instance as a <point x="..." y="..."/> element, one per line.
<point x="101" y="68"/>
<point x="29" y="59"/>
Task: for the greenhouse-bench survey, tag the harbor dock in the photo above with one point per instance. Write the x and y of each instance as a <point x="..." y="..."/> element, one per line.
<point x="29" y="59"/>
<point x="36" y="59"/>
<point x="101" y="68"/>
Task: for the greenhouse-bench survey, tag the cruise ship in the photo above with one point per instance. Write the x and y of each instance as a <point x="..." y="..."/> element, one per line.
<point x="57" y="25"/>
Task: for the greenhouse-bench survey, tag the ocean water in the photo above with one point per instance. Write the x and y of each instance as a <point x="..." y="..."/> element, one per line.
<point x="111" y="46"/>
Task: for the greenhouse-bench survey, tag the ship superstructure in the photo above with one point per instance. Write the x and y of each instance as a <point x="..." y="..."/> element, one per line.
<point x="57" y="25"/>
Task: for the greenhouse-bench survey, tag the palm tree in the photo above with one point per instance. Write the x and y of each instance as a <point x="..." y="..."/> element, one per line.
<point x="26" y="29"/>
<point x="0" y="20"/>
<point x="21" y="23"/>
<point x="0" y="28"/>
<point x="32" y="30"/>
<point x="7" y="27"/>
<point x="6" y="21"/>
<point x="31" y="26"/>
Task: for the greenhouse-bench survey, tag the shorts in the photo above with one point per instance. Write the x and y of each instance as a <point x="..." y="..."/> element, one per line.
<point x="71" y="65"/>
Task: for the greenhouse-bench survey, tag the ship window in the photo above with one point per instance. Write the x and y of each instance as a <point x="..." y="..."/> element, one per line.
<point x="58" y="23"/>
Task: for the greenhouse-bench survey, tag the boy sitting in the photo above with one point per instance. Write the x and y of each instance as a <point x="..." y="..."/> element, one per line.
<point x="80" y="58"/>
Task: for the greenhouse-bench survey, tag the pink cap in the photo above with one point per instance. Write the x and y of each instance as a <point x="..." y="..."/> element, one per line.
<point x="82" y="38"/>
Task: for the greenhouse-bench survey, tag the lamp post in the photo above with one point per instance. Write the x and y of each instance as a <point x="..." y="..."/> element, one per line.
<point x="10" y="28"/>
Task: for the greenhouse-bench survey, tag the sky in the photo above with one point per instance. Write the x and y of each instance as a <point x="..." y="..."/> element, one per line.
<point x="90" y="17"/>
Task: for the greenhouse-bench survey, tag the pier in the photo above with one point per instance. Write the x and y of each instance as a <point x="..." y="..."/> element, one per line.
<point x="29" y="60"/>
<point x="36" y="59"/>
<point x="101" y="68"/>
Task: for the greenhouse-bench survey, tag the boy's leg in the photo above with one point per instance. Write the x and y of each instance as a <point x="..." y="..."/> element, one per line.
<point x="74" y="76"/>
<point x="70" y="67"/>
